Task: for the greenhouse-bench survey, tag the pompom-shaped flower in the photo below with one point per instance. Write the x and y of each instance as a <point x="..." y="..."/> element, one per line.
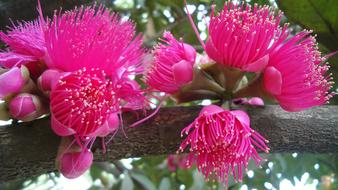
<point x="242" y="36"/>
<point x="81" y="102"/>
<point x="296" y="74"/>
<point x="93" y="38"/>
<point x="222" y="141"/>
<point x="172" y="66"/>
<point x="25" y="45"/>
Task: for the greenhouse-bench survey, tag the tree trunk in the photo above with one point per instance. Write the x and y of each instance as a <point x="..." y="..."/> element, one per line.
<point x="29" y="149"/>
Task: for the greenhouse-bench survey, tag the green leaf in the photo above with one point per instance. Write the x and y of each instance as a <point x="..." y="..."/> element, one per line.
<point x="143" y="180"/>
<point x="95" y="172"/>
<point x="321" y="16"/>
<point x="127" y="183"/>
<point x="198" y="181"/>
<point x="165" y="184"/>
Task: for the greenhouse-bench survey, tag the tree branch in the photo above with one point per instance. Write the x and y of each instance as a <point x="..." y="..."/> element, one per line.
<point x="29" y="149"/>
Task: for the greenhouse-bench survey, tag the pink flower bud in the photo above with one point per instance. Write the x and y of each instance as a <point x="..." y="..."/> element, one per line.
<point x="256" y="101"/>
<point x="48" y="79"/>
<point x="13" y="80"/>
<point x="26" y="107"/>
<point x="74" y="164"/>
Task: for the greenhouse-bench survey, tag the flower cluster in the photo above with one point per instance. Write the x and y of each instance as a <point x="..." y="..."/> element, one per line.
<point x="289" y="70"/>
<point x="79" y="62"/>
<point x="82" y="63"/>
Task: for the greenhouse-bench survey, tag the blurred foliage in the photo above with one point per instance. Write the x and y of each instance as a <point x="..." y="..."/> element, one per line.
<point x="150" y="173"/>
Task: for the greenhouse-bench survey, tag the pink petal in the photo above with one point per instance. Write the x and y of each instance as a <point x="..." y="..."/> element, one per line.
<point x="190" y="53"/>
<point x="48" y="79"/>
<point x="10" y="59"/>
<point x="211" y="109"/>
<point x="273" y="80"/>
<point x="258" y="65"/>
<point x="108" y="127"/>
<point x="242" y="116"/>
<point x="60" y="129"/>
<point x="183" y="72"/>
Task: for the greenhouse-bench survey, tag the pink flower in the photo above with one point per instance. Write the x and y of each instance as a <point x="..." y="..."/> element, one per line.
<point x="222" y="141"/>
<point x="242" y="37"/>
<point x="81" y="102"/>
<point x="74" y="164"/>
<point x="93" y="38"/>
<point x="172" y="66"/>
<point x="297" y="74"/>
<point x="98" y="51"/>
<point x="25" y="45"/>
<point x="13" y="80"/>
<point x="26" y="107"/>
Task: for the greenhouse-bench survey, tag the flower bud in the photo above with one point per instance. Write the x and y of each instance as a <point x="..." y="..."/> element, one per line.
<point x="47" y="80"/>
<point x="26" y="107"/>
<point x="256" y="101"/>
<point x="74" y="164"/>
<point x="13" y="80"/>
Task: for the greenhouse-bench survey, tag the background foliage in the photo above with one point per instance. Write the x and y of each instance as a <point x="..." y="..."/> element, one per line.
<point x="152" y="18"/>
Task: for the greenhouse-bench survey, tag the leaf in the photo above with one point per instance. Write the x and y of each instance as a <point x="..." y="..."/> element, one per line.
<point x="127" y="183"/>
<point x="95" y="172"/>
<point x="144" y="181"/>
<point x="165" y="184"/>
<point x="318" y="15"/>
<point x="198" y="181"/>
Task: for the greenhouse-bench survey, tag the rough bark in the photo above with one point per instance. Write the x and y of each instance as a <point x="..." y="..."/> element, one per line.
<point x="29" y="149"/>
